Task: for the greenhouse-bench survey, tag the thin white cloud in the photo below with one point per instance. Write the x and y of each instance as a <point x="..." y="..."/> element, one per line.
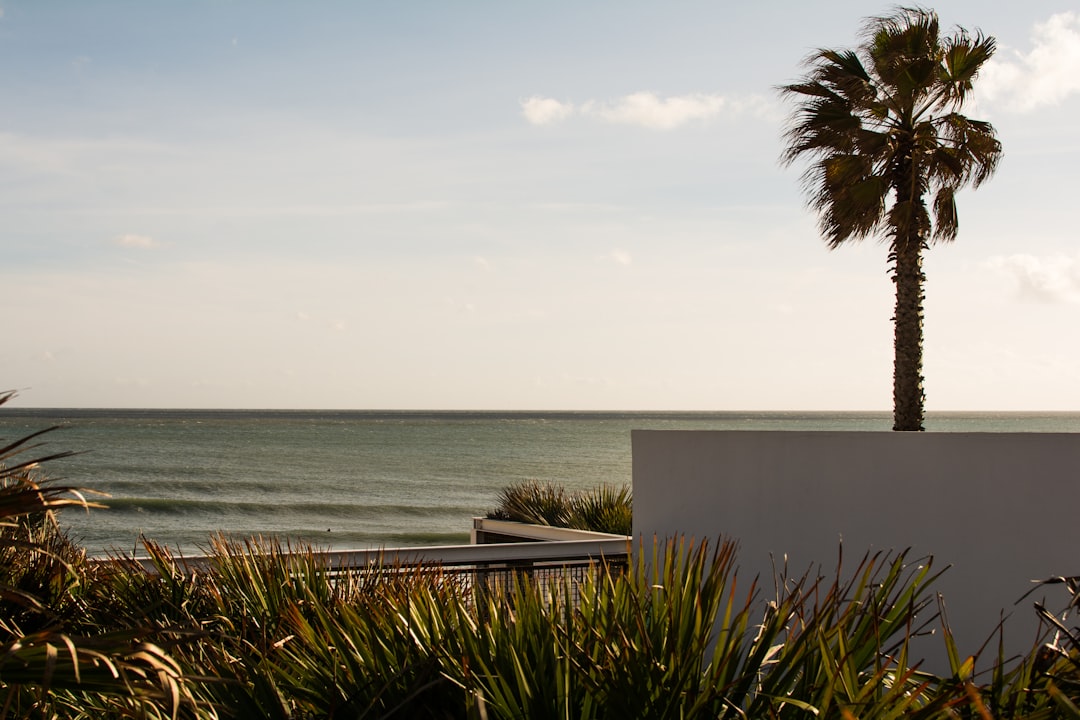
<point x="72" y="156"/>
<point x="621" y="257"/>
<point x="337" y="325"/>
<point x="131" y="240"/>
<point x="1046" y="75"/>
<point x="317" y="211"/>
<point x="1054" y="279"/>
<point x="572" y="207"/>
<point x="645" y="109"/>
<point x="544" y="111"/>
<point x="320" y="210"/>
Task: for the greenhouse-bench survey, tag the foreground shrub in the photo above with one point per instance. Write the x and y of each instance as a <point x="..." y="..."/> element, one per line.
<point x="262" y="630"/>
<point x="533" y="502"/>
<point x="608" y="508"/>
<point x="678" y="637"/>
<point x="605" y="509"/>
<point x="53" y="663"/>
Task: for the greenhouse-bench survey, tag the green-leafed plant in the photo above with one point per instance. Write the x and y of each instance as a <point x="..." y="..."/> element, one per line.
<point x="377" y="658"/>
<point x="512" y="660"/>
<point x="678" y="637"/>
<point x="534" y="502"/>
<point x="846" y="649"/>
<point x="278" y="635"/>
<point x="359" y="643"/>
<point x="888" y="149"/>
<point x="1045" y="682"/>
<point x="50" y="660"/>
<point x="659" y="641"/>
<point x="1059" y="659"/>
<point x="607" y="508"/>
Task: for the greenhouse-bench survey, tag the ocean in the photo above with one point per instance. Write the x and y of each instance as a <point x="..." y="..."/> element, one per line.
<point x="363" y="479"/>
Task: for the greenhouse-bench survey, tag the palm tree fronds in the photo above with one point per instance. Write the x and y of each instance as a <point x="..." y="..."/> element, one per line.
<point x="963" y="57"/>
<point x="894" y="101"/>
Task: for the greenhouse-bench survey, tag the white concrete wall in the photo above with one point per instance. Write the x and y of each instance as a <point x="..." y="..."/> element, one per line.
<point x="1002" y="509"/>
<point x="488" y="531"/>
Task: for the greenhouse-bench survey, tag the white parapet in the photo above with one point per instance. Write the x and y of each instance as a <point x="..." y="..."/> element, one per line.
<point x="615" y="547"/>
<point x="487" y="530"/>
<point x="1000" y="509"/>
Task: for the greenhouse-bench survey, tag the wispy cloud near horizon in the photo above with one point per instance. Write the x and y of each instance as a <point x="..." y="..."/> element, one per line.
<point x="643" y="109"/>
<point x="131" y="240"/>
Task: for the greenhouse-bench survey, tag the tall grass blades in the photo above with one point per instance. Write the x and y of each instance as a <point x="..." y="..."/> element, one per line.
<point x="641" y="641"/>
<point x="606" y="508"/>
<point x="378" y="657"/>
<point x="511" y="660"/>
<point x="846" y="649"/>
<point x="534" y="502"/>
<point x="50" y="657"/>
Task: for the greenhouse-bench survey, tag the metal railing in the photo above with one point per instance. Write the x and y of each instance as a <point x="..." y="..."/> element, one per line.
<point x="541" y="558"/>
<point x="519" y="555"/>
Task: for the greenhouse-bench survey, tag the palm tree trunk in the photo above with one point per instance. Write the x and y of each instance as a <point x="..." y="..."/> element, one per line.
<point x="908" y="394"/>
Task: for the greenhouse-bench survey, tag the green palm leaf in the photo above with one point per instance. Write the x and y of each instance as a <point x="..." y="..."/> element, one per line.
<point x="894" y="103"/>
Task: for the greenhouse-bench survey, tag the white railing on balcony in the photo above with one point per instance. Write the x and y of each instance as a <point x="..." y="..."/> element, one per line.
<point x="536" y="546"/>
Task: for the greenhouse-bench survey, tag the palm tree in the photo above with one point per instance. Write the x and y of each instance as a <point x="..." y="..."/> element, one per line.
<point x="882" y="129"/>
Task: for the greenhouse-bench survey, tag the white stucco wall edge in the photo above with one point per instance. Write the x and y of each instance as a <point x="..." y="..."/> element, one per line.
<point x="999" y="508"/>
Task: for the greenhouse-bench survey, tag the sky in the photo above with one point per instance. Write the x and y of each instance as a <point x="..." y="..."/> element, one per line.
<point x="487" y="205"/>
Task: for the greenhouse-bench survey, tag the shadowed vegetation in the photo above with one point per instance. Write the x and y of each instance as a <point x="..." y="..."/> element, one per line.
<point x="56" y="659"/>
<point x="607" y="508"/>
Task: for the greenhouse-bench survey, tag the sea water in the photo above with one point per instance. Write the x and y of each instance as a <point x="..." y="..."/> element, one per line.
<point x="359" y="479"/>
